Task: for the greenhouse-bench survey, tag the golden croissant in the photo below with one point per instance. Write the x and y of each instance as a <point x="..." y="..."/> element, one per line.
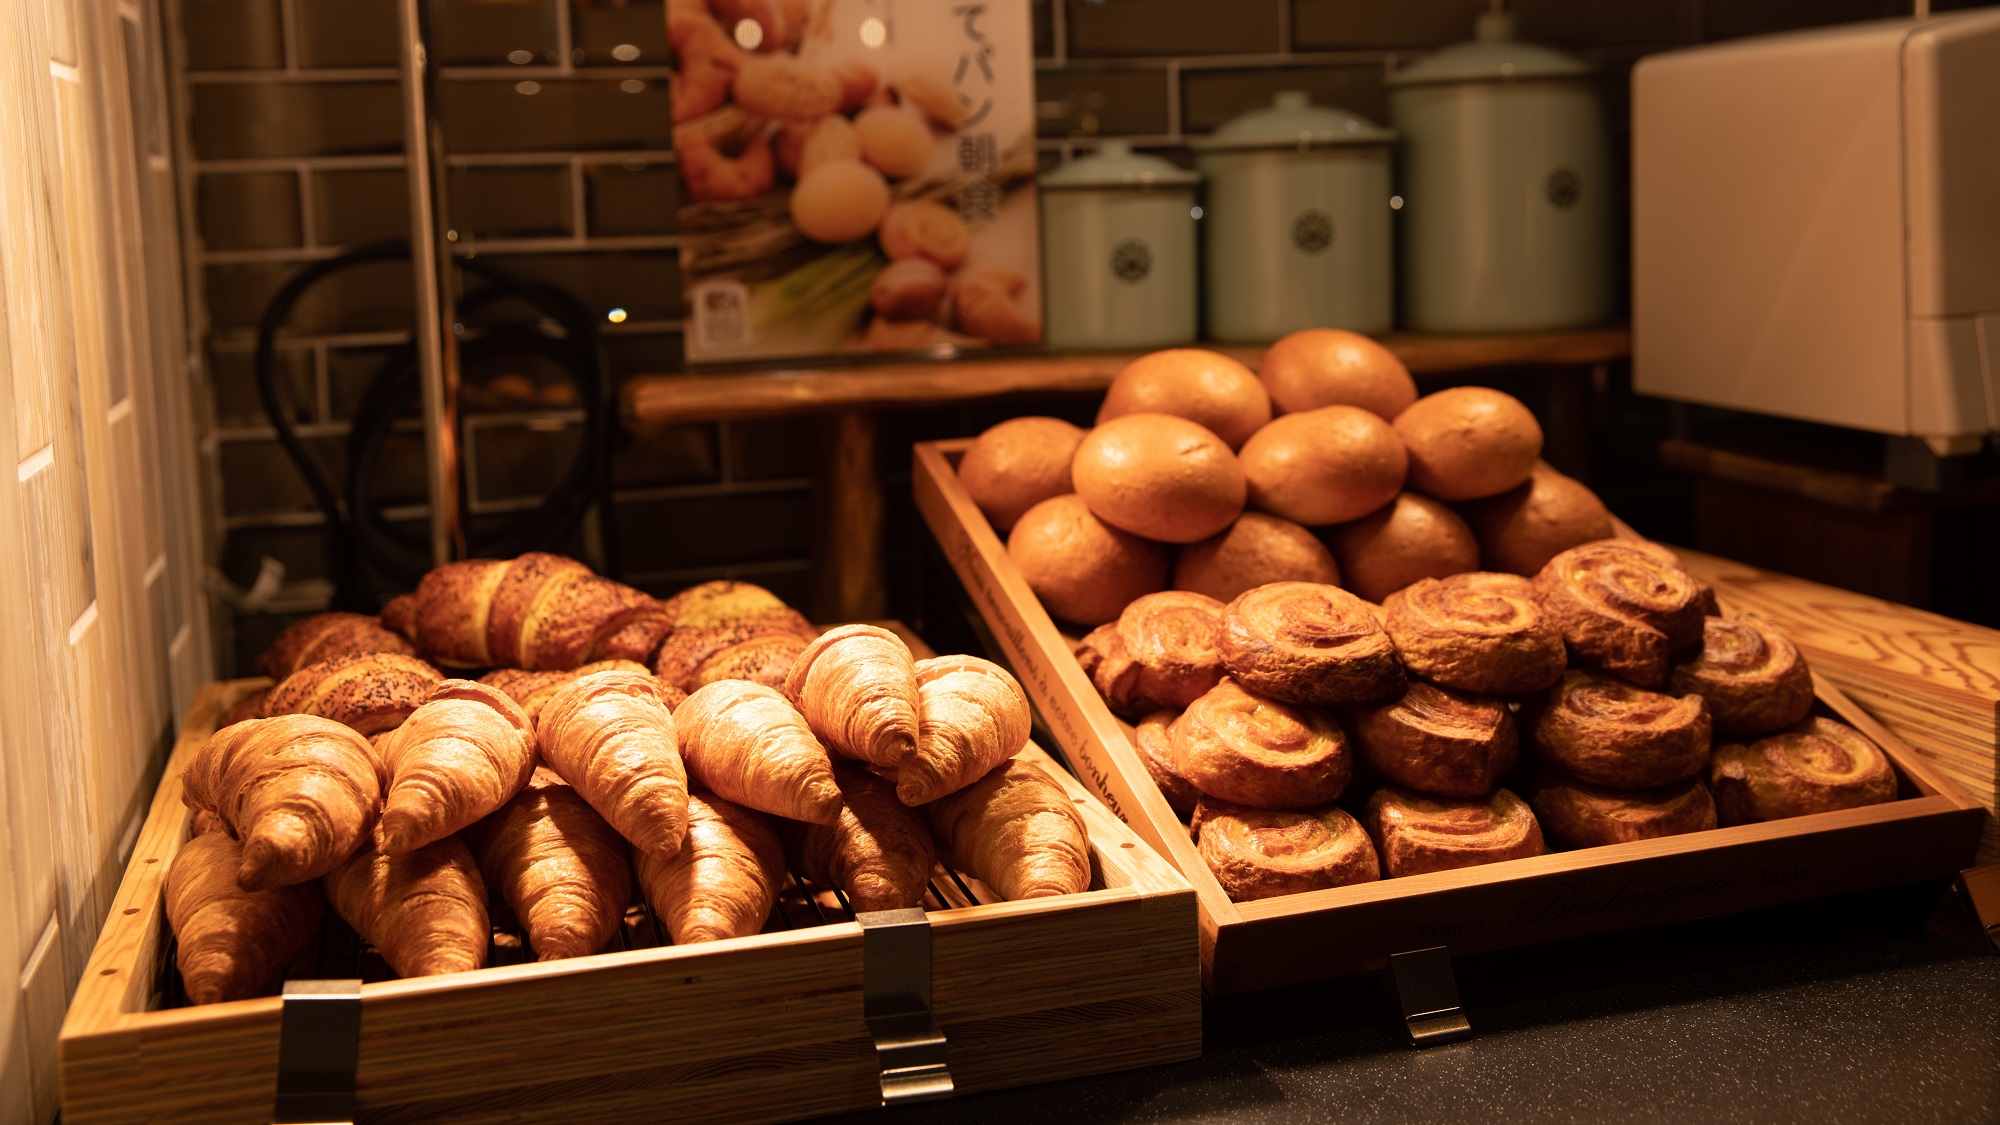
<point x="724" y="880"/>
<point x="971" y="716"/>
<point x="424" y="911"/>
<point x="532" y="689"/>
<point x="878" y="853"/>
<point x="857" y="687"/>
<point x="1016" y="830"/>
<point x="229" y="942"/>
<point x="744" y="743"/>
<point x="559" y="866"/>
<point x="455" y="759"/>
<point x="299" y="791"/>
<point x="611" y="736"/>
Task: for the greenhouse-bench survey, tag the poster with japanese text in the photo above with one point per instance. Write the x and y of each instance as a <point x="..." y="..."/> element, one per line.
<point x="857" y="176"/>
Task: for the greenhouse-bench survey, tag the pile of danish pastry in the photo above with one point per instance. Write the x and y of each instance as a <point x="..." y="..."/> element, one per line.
<point x="694" y="753"/>
<point x="1368" y="634"/>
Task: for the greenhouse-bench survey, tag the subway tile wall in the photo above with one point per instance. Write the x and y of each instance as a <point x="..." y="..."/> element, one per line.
<point x="559" y="143"/>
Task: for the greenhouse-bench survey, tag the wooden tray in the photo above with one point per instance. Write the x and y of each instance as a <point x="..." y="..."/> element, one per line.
<point x="1930" y="832"/>
<point x="761" y="1028"/>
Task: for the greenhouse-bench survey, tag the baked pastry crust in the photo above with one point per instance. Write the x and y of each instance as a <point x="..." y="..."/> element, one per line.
<point x="324" y="636"/>
<point x="1153" y="739"/>
<point x="1752" y="676"/>
<point x="1164" y="651"/>
<point x="1438" y="741"/>
<point x="1250" y="750"/>
<point x="1416" y="835"/>
<point x="1578" y="814"/>
<point x="1478" y="632"/>
<point x="371" y="691"/>
<point x="1607" y="732"/>
<point x="1624" y="606"/>
<point x="1305" y="642"/>
<point x="1818" y="766"/>
<point x="1262" y="853"/>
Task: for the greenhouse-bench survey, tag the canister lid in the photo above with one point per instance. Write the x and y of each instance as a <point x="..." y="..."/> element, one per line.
<point x="1115" y="165"/>
<point x="1493" y="55"/>
<point x="1292" y="121"/>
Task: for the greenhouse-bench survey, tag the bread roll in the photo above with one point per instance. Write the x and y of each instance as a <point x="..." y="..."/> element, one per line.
<point x="1083" y="569"/>
<point x="1469" y="442"/>
<point x="1159" y="476"/>
<point x="1409" y="538"/>
<point x="1319" y="367"/>
<point x="1255" y="550"/>
<point x="1018" y="464"/>
<point x="1521" y="529"/>
<point x="1322" y="466"/>
<point x="1204" y="387"/>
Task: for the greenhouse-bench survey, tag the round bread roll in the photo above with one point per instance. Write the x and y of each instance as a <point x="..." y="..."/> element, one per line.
<point x="1255" y="550"/>
<point x="1329" y="465"/>
<point x="1411" y="537"/>
<point x="1521" y="529"/>
<point x="1469" y="442"/>
<point x="1083" y="569"/>
<point x="1204" y="387"/>
<point x="1318" y="367"/>
<point x="1159" y="476"/>
<point x="1018" y="464"/>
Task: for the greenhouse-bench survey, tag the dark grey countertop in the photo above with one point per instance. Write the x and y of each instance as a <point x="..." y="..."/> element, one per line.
<point x="1865" y="1007"/>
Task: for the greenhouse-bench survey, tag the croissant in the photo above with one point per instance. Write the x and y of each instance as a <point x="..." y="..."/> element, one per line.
<point x="324" y="636"/>
<point x="424" y="911"/>
<point x="877" y="851"/>
<point x="299" y="791"/>
<point x="971" y="716"/>
<point x="857" y="687"/>
<point x="540" y="611"/>
<point x="1016" y="830"/>
<point x="724" y="880"/>
<point x="744" y="743"/>
<point x="231" y="942"/>
<point x="249" y="707"/>
<point x="455" y="759"/>
<point x="371" y="692"/>
<point x="611" y="736"/>
<point x="399" y="616"/>
<point x="532" y="690"/>
<point x="723" y="602"/>
<point x="559" y="866"/>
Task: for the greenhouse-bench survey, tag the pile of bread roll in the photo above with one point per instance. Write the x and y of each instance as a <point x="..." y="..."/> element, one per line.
<point x="1314" y="738"/>
<point x="572" y="780"/>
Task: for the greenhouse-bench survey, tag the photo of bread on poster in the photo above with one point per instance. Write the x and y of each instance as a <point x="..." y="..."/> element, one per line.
<point x="856" y="175"/>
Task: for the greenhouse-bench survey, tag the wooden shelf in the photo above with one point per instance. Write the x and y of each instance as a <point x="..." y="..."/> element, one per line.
<point x="700" y="397"/>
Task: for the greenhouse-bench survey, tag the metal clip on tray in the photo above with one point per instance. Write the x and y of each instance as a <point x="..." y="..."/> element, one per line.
<point x="319" y="1042"/>
<point x="896" y="1001"/>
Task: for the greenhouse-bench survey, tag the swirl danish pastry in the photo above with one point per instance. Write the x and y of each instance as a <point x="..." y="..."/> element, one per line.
<point x="1608" y="732"/>
<point x="1416" y="835"/>
<point x="1438" y="741"/>
<point x="1305" y="642"/>
<point x="1752" y="676"/>
<point x="1262" y="853"/>
<point x="1249" y="750"/>
<point x="1162" y="652"/>
<point x="1818" y="766"/>
<point x="1578" y="814"/>
<point x="1623" y="607"/>
<point x="1476" y="631"/>
<point x="1154" y="742"/>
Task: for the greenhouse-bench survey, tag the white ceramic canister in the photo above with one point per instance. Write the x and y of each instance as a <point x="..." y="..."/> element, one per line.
<point x="1507" y="193"/>
<point x="1118" y="251"/>
<point x="1296" y="222"/>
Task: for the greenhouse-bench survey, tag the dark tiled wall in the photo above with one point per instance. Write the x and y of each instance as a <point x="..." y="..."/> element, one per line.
<point x="559" y="137"/>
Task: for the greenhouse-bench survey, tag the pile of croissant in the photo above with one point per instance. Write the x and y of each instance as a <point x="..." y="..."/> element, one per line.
<point x="1316" y="740"/>
<point x="754" y="745"/>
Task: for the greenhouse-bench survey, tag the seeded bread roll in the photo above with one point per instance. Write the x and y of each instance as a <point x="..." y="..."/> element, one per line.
<point x="1018" y="464"/>
<point x="1159" y="476"/>
<point x="1319" y="367"/>
<point x="1521" y="529"/>
<point x="1324" y="466"/>
<point x="1469" y="442"/>
<point x="1207" y="388"/>
<point x="1255" y="550"/>
<point x="1410" y="538"/>
<point x="1083" y="569"/>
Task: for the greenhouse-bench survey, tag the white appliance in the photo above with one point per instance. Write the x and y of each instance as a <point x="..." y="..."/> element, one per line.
<point x="1816" y="227"/>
